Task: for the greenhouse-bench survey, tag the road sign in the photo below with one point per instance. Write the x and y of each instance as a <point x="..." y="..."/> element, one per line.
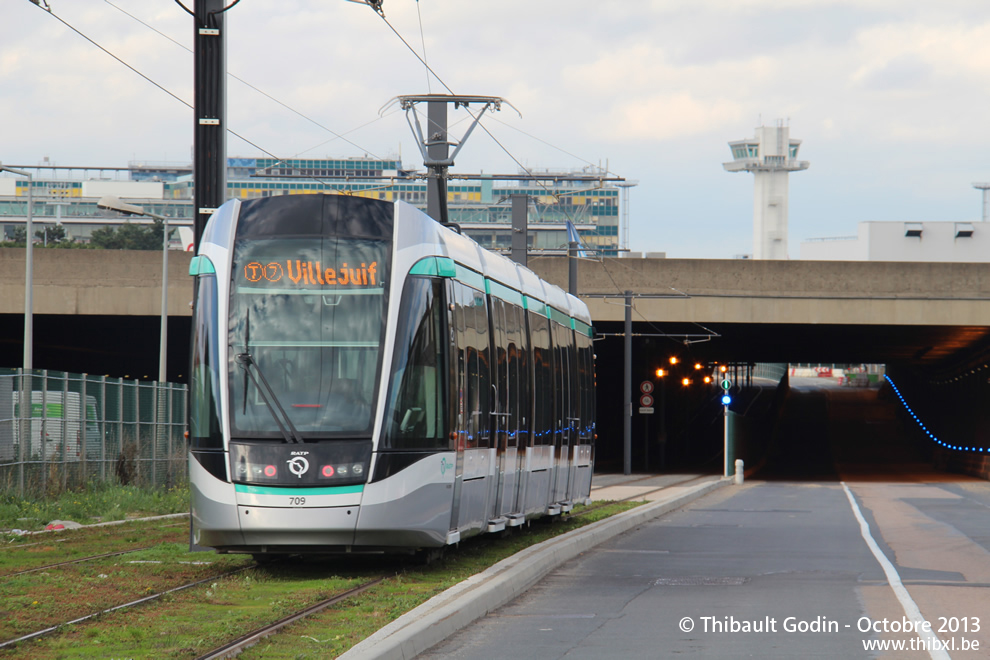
<point x="646" y="411"/>
<point x="646" y="387"/>
<point x="726" y="384"/>
<point x="646" y="400"/>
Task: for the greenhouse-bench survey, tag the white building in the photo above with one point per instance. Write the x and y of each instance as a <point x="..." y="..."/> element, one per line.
<point x="771" y="155"/>
<point x="905" y="241"/>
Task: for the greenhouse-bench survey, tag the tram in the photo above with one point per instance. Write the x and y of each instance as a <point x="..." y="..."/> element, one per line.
<point x="366" y="379"/>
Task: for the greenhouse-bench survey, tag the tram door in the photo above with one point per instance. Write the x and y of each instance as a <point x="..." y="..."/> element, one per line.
<point x="539" y="444"/>
<point x="470" y="410"/>
<point x="507" y="343"/>
<point x="565" y="385"/>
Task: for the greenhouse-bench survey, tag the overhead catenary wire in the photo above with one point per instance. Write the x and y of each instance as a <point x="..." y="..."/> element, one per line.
<point x="337" y="136"/>
<point x="468" y="110"/>
<point x="178" y="98"/>
<point x="422" y="38"/>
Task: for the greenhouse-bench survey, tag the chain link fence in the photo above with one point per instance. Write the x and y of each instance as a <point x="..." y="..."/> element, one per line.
<point x="61" y="430"/>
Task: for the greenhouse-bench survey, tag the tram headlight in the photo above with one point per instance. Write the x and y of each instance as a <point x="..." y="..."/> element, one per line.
<point x="342" y="470"/>
<point x="357" y="469"/>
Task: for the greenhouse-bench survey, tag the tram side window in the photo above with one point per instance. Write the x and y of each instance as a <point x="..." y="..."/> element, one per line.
<point x="472" y="380"/>
<point x="511" y="370"/>
<point x="204" y="419"/>
<point x="586" y="367"/>
<point x="543" y="385"/>
<point x="500" y="341"/>
<point x="414" y="417"/>
<point x="563" y="374"/>
<point x="518" y="376"/>
<point x="573" y="384"/>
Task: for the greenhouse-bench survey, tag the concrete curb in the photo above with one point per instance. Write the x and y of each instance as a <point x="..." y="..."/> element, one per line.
<point x="446" y="613"/>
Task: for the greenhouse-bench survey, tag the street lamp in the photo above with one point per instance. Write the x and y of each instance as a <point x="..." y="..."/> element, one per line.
<point x="113" y="203"/>
<point x="28" y="273"/>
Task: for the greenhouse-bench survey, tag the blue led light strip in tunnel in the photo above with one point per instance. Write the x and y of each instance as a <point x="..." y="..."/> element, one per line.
<point x="931" y="435"/>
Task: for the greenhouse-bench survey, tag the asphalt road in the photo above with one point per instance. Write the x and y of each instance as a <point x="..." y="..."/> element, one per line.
<point x="843" y="540"/>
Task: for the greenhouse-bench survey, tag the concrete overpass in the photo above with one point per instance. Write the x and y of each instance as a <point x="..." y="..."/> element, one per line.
<point x="796" y="311"/>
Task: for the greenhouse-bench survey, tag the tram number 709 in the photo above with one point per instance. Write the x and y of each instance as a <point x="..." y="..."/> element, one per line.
<point x="297" y="501"/>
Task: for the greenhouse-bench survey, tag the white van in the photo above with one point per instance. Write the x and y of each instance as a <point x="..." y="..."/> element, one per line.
<point x="57" y="419"/>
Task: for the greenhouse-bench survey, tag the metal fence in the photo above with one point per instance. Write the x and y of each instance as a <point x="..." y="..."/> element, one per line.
<point x="61" y="430"/>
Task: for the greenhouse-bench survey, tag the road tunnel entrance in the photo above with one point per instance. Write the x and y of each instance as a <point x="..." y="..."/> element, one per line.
<point x="685" y="429"/>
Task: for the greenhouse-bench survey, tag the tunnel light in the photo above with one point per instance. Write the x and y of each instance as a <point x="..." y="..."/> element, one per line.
<point x="685" y="382"/>
<point x="673" y="359"/>
<point x="661" y="373"/>
<point x="925" y="430"/>
<point x="697" y="366"/>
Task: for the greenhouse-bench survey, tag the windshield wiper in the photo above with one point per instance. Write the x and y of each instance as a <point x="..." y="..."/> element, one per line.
<point x="246" y="360"/>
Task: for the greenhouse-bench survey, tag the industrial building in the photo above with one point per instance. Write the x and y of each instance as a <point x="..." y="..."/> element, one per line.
<point x="481" y="205"/>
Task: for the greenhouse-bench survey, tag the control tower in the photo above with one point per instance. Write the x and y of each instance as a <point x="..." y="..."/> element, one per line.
<point x="770" y="156"/>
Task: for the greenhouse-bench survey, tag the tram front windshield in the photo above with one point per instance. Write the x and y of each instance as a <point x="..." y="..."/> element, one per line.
<point x="307" y="318"/>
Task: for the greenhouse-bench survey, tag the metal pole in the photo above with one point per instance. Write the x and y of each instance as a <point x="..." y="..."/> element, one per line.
<point x="520" y="240"/>
<point x="163" y="346"/>
<point x="29" y="281"/>
<point x="439" y="151"/>
<point x="24" y="420"/>
<point x="663" y="424"/>
<point x="725" y="442"/>
<point x="28" y="269"/>
<point x="646" y="443"/>
<point x="572" y="268"/>
<point x="627" y="389"/>
<point x="210" y="102"/>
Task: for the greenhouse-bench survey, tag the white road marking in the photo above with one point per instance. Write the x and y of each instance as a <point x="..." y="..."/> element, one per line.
<point x="894" y="580"/>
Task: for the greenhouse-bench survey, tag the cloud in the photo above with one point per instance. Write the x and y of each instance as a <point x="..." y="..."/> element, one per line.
<point x="671" y="116"/>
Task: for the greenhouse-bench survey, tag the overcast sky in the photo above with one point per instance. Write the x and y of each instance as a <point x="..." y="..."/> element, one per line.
<point x="890" y="97"/>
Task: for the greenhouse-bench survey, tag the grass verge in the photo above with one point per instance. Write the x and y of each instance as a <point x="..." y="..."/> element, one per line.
<point x="91" y="504"/>
<point x="189" y="623"/>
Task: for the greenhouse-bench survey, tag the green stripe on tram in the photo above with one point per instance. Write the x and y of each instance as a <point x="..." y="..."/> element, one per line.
<point x="200" y="265"/>
<point x="535" y="306"/>
<point x="504" y="293"/>
<point x="560" y="317"/>
<point x="298" y="492"/>
<point x="471" y="278"/>
<point x="434" y="266"/>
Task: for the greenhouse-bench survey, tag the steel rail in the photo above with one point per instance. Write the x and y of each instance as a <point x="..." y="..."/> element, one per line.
<point x="133" y="603"/>
<point x="233" y="648"/>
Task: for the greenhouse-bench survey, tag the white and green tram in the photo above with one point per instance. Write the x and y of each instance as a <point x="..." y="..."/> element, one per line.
<point x="364" y="378"/>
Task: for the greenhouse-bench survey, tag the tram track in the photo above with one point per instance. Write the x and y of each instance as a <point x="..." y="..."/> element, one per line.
<point x="236" y="646"/>
<point x="134" y="603"/>
<point x="70" y="546"/>
<point x="81" y="560"/>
